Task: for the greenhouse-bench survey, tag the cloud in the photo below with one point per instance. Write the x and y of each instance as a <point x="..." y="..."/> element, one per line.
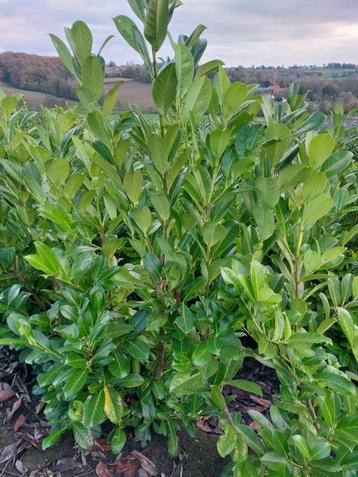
<point x="239" y="31"/>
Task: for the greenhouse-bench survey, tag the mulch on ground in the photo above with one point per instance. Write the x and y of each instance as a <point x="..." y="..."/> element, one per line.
<point x="22" y="428"/>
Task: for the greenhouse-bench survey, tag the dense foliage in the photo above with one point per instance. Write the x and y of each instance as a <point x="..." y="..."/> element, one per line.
<point x="140" y="256"/>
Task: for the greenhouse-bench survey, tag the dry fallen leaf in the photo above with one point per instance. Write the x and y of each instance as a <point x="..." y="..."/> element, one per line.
<point x="28" y="441"/>
<point x="102" y="445"/>
<point x="203" y="426"/>
<point x="209" y="425"/>
<point x="11" y="411"/>
<point x="20" y="421"/>
<point x="263" y="402"/>
<point x="66" y="464"/>
<point x="255" y="408"/>
<point x="102" y="470"/>
<point x="39" y="407"/>
<point x="9" y="452"/>
<point x="146" y="463"/>
<point x="20" y="467"/>
<point x="126" y="467"/>
<point x="6" y="392"/>
<point x="40" y="430"/>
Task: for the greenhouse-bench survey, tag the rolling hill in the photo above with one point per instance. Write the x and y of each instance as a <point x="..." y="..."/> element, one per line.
<point x="131" y="92"/>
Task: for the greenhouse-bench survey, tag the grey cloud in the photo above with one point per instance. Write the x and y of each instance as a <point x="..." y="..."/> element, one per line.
<point x="239" y="31"/>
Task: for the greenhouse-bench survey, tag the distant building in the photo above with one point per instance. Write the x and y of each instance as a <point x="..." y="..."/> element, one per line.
<point x="274" y="89"/>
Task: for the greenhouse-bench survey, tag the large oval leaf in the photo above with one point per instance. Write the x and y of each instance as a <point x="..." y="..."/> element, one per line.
<point x="198" y="97"/>
<point x="165" y="88"/>
<point x="184" y="67"/>
<point x="82" y="41"/>
<point x="93" y="411"/>
<point x="75" y="383"/>
<point x="93" y="76"/>
<point x="129" y="31"/>
<point x="156" y="22"/>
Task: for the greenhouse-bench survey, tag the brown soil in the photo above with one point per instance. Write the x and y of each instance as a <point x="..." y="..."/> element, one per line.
<point x="198" y="457"/>
<point x="133" y="92"/>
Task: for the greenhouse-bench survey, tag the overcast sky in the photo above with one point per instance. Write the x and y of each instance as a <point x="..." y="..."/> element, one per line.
<point x="246" y="32"/>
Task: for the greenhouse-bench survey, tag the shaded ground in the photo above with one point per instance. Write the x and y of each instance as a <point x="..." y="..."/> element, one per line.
<point x="22" y="429"/>
<point x="243" y="401"/>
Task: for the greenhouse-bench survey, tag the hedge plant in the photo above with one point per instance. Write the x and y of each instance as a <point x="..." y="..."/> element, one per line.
<point x="139" y="256"/>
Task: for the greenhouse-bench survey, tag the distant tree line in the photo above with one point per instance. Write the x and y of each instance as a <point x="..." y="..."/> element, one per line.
<point x="130" y="71"/>
<point x="36" y="73"/>
<point x="325" y="85"/>
<point x="335" y="82"/>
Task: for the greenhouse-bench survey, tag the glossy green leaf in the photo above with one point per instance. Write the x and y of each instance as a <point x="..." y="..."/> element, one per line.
<point x="161" y="205"/>
<point x="93" y="76"/>
<point x="198" y="97"/>
<point x="165" y="88"/>
<point x="156" y="22"/>
<point x="185" y="320"/>
<point x="316" y="209"/>
<point x="138" y="7"/>
<point x="138" y="349"/>
<point x="302" y="446"/>
<point x="132" y="185"/>
<point x="267" y="190"/>
<point x="129" y="31"/>
<point x="246" y="385"/>
<point x="143" y="218"/>
<point x="93" y="410"/>
<point x="319" y="149"/>
<point x="110" y="101"/>
<point x="75" y="383"/>
<point x="118" y="440"/>
<point x="184" y="67"/>
<point x="52" y="438"/>
<point x="82" y="436"/>
<point x="82" y="41"/>
<point x="65" y="55"/>
<point x="186" y="383"/>
<point x="227" y="442"/>
<point x="201" y="355"/>
<point x="265" y="220"/>
<point x="349" y="329"/>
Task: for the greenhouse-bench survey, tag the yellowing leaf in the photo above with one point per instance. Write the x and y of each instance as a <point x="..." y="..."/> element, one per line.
<point x="113" y="406"/>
